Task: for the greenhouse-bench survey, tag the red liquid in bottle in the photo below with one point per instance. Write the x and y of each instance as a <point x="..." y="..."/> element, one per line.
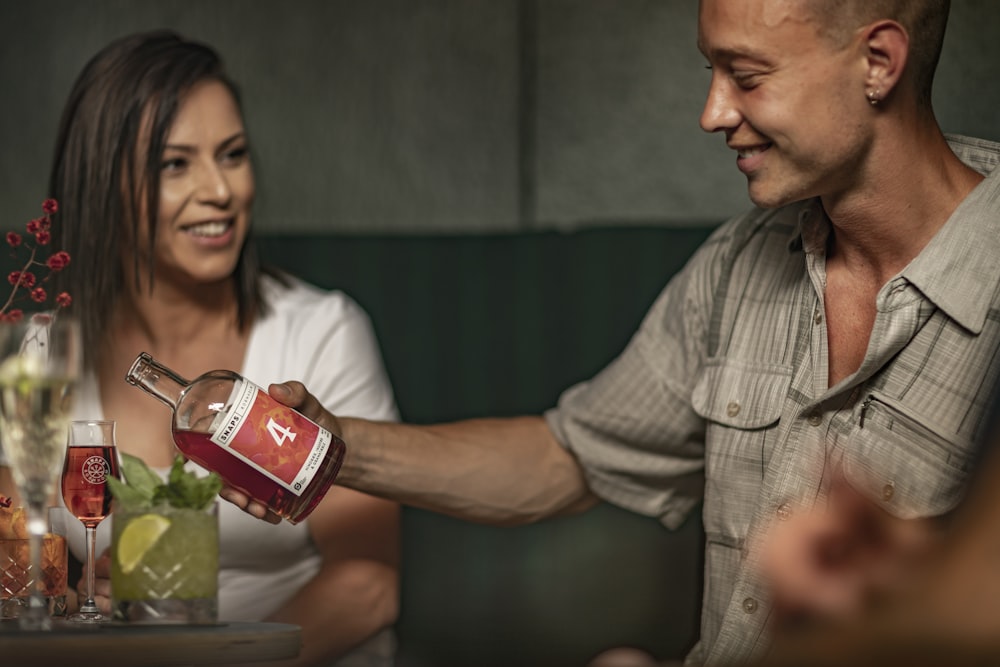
<point x="229" y="425"/>
<point x="199" y="448"/>
<point x="84" y="486"/>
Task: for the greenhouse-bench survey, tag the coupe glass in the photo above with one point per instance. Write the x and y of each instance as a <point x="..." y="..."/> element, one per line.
<point x="40" y="361"/>
<point x="91" y="457"/>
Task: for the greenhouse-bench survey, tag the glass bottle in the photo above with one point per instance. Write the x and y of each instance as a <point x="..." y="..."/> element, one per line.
<point x="225" y="423"/>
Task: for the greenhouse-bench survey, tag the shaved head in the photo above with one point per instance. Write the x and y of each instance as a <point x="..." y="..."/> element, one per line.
<point x="924" y="21"/>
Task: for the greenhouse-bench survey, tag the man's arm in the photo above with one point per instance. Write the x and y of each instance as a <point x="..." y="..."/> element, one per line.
<point x="498" y="471"/>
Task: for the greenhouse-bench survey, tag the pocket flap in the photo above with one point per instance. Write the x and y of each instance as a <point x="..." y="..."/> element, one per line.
<point x="741" y="395"/>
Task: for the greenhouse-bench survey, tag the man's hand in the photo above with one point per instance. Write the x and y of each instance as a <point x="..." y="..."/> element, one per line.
<point x="252" y="507"/>
<point x="296" y="396"/>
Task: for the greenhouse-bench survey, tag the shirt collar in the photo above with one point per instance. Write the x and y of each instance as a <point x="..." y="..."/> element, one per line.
<point x="959" y="270"/>
<point x="961" y="264"/>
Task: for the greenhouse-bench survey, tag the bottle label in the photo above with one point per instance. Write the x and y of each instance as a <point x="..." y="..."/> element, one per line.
<point x="272" y="438"/>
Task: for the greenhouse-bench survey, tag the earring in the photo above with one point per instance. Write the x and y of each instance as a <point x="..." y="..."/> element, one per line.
<point x="874" y="97"/>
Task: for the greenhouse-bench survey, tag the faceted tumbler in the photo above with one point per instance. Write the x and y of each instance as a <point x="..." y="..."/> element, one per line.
<point x="165" y="565"/>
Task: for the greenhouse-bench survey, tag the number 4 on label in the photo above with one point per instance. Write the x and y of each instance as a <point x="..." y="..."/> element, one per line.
<point x="280" y="433"/>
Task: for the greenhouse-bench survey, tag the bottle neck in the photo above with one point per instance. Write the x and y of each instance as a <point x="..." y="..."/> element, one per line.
<point x="156" y="379"/>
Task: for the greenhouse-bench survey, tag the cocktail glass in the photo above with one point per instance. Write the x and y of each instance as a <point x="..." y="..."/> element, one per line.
<point x="91" y="458"/>
<point x="165" y="565"/>
<point x="17" y="575"/>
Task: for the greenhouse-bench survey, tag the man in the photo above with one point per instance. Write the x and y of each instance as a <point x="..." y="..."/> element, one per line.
<point x="845" y="328"/>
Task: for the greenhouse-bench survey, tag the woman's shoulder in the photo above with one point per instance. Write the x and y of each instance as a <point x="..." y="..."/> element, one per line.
<point x="306" y="317"/>
<point x="290" y="293"/>
<point x="323" y="339"/>
<point x="293" y="300"/>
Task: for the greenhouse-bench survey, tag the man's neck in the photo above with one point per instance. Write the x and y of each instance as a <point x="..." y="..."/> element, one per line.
<point x="913" y="183"/>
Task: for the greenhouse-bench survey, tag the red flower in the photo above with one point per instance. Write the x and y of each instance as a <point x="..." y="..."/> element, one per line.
<point x="50" y="206"/>
<point x="64" y="300"/>
<point x="38" y="295"/>
<point x="34" y="226"/>
<point x="13" y="239"/>
<point x="21" y="278"/>
<point x="14" y="315"/>
<point x="43" y="237"/>
<point x="58" y="261"/>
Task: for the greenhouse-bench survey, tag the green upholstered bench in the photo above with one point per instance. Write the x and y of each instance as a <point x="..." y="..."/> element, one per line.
<point x="499" y="325"/>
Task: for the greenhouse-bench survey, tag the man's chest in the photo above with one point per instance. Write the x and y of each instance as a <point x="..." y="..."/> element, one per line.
<point x="849" y="315"/>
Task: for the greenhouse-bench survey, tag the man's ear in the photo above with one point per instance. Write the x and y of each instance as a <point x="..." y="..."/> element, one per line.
<point x="887" y="47"/>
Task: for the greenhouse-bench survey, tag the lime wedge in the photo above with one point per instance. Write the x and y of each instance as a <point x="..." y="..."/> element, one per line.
<point x="138" y="537"/>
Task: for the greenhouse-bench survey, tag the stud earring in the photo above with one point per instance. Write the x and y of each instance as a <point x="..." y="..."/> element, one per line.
<point x="873" y="97"/>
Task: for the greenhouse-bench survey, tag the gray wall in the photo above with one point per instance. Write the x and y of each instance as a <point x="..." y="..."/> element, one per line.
<point x="399" y="116"/>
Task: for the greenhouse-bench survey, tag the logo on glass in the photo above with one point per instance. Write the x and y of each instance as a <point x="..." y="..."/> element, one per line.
<point x="95" y="470"/>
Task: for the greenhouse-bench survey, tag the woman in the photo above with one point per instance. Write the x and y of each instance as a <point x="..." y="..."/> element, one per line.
<point x="153" y="174"/>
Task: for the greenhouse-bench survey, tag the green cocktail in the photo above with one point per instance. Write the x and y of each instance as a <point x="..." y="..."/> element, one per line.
<point x="164" y="545"/>
<point x="165" y="565"/>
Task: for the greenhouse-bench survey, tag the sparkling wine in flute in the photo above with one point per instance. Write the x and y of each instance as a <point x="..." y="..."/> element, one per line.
<point x="84" y="482"/>
<point x="34" y="414"/>
<point x="229" y="425"/>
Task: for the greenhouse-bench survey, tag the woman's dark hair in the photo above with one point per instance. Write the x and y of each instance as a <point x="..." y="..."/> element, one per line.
<point x="119" y="111"/>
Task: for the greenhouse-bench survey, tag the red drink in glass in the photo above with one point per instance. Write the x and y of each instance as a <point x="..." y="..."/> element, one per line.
<point x="84" y="482"/>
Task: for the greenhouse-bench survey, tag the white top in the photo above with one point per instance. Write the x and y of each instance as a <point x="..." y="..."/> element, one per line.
<point x="326" y="341"/>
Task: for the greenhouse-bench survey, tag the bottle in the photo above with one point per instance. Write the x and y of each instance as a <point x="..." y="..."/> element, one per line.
<point x="225" y="423"/>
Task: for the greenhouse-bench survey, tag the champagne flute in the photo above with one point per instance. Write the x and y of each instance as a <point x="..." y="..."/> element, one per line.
<point x="91" y="457"/>
<point x="40" y="360"/>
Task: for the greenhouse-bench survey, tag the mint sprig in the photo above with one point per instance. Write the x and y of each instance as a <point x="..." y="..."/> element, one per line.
<point x="141" y="488"/>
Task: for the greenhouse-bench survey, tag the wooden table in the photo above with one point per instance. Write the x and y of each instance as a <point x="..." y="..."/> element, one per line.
<point x="123" y="645"/>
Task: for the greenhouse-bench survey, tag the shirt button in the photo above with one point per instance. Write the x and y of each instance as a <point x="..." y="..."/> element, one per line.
<point x="749" y="605"/>
<point x="784" y="512"/>
<point x="817" y="317"/>
<point x="733" y="409"/>
<point x="888" y="491"/>
<point x="815" y="419"/>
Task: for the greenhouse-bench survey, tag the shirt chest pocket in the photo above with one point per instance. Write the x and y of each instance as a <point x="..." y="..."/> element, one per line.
<point x="741" y="405"/>
<point x="904" y="464"/>
<point x="742" y="396"/>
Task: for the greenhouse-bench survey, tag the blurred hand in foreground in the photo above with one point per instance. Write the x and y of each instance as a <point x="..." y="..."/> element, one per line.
<point x="831" y="563"/>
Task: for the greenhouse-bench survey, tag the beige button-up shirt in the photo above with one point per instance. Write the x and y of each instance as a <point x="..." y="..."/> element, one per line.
<point x="721" y="397"/>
